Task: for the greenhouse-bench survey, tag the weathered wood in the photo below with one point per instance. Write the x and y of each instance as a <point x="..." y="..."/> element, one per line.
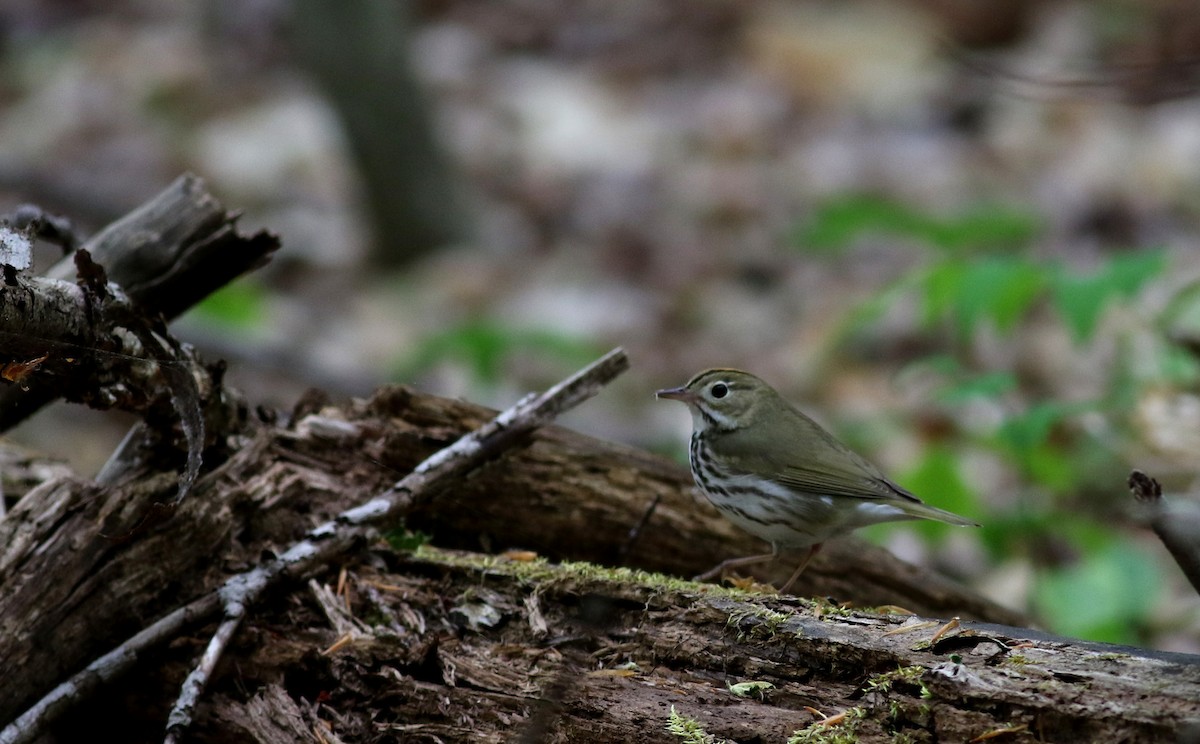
<point x="88" y="566"/>
<point x="242" y="592"/>
<point x="164" y="256"/>
<point x="469" y="648"/>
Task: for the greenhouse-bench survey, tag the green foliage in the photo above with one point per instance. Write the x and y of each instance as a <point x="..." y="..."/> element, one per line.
<point x="1102" y="596"/>
<point x="979" y="274"/>
<point x="1081" y="298"/>
<point x="485" y="348"/>
<point x="840" y="221"/>
<point x="997" y="288"/>
<point x="882" y="683"/>
<point x="404" y="541"/>
<point x="1026" y="437"/>
<point x="755" y="689"/>
<point x="239" y="305"/>
<point x="821" y="732"/>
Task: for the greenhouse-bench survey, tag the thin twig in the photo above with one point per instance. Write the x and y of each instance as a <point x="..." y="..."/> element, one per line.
<point x="31" y="724"/>
<point x="635" y="532"/>
<point x="327" y="541"/>
<point x="193" y="687"/>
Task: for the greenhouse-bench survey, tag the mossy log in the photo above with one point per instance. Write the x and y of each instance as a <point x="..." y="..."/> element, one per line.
<point x="445" y="646"/>
<point x="470" y="647"/>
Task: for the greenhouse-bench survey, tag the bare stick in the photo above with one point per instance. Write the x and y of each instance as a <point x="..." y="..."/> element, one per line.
<point x="193" y="687"/>
<point x="1176" y="524"/>
<point x="528" y="414"/>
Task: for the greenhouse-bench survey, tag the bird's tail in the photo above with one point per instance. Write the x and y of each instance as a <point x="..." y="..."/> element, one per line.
<point x="922" y="510"/>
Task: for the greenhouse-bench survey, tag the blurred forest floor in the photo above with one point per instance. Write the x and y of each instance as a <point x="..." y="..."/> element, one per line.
<point x="957" y="233"/>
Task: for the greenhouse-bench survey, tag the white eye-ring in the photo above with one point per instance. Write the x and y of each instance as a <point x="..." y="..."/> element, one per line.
<point x="719" y="390"/>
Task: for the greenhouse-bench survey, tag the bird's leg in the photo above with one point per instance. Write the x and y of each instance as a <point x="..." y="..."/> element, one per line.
<point x="748" y="560"/>
<point x="800" y="569"/>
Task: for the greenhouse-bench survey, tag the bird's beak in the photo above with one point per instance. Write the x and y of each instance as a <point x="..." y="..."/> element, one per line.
<point x="676" y="393"/>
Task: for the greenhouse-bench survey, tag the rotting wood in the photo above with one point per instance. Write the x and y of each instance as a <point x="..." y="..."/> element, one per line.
<point x="287" y="478"/>
<point x="615" y="651"/>
<point x="240" y="593"/>
<point x="165" y="256"/>
<point x="332" y="538"/>
<point x="84" y="565"/>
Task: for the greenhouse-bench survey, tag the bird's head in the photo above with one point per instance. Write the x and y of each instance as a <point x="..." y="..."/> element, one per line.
<point x="722" y="399"/>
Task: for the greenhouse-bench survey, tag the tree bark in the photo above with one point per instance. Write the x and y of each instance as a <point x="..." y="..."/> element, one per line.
<point x="465" y="647"/>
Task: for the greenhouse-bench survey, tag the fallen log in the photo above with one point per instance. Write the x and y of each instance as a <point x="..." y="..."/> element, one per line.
<point x="89" y="566"/>
<point x="449" y="646"/>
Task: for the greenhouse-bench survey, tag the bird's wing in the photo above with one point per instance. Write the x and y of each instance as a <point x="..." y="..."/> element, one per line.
<point x="828" y="468"/>
<point x="826" y="481"/>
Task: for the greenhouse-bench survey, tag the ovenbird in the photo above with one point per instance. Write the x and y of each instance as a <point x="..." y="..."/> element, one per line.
<point x="778" y="475"/>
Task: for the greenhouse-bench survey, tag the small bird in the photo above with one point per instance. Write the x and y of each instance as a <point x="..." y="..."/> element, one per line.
<point x="778" y="475"/>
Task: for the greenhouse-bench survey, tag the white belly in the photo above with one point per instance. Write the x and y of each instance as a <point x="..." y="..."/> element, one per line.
<point x="789" y="519"/>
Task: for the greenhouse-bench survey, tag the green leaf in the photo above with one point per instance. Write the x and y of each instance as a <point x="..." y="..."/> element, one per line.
<point x="940" y="290"/>
<point x="999" y="288"/>
<point x="237" y="305"/>
<point x="404" y="541"/>
<point x="1051" y="467"/>
<point x="985" y="226"/>
<point x="839" y="222"/>
<point x="1178" y="367"/>
<point x="987" y="385"/>
<point x="1022" y="433"/>
<point x="755" y="689"/>
<point x="1102" y="597"/>
<point x="1082" y="299"/>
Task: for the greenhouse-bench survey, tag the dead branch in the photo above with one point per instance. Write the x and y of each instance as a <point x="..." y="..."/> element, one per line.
<point x="105" y="670"/>
<point x="1176" y="524"/>
<point x="164" y="257"/>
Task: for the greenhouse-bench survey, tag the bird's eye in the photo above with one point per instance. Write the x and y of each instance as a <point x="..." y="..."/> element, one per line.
<point x="720" y="390"/>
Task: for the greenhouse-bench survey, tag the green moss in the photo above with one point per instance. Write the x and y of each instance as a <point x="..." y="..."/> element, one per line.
<point x="883" y="682"/>
<point x="826" y="610"/>
<point x="539" y="570"/>
<point x="689" y="730"/>
<point x="845" y="732"/>
<point x="766" y="622"/>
